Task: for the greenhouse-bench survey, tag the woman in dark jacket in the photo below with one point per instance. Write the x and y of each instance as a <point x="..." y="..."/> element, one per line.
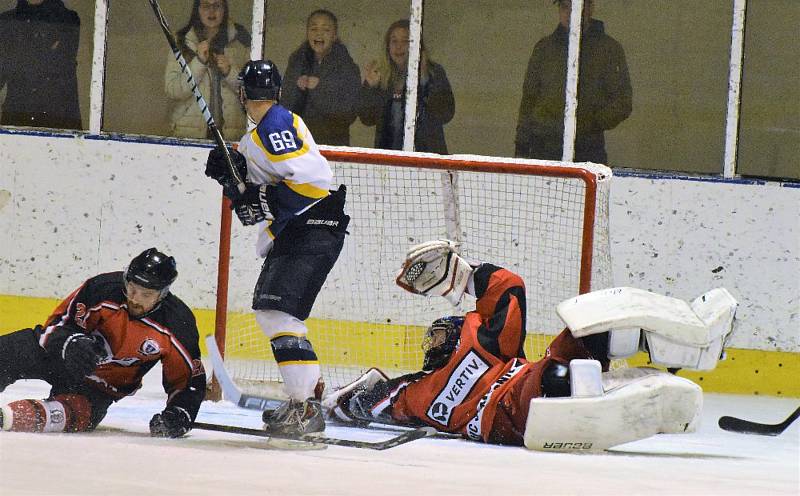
<point x="383" y="94"/>
<point x="322" y="81"/>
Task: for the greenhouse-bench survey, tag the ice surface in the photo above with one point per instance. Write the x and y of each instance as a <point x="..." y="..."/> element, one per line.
<point x="120" y="459"/>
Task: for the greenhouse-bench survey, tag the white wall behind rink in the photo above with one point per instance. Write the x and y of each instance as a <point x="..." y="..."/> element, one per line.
<point x="79" y="206"/>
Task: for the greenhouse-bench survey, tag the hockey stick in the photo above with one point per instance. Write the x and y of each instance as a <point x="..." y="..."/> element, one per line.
<point x="201" y="102"/>
<point x="230" y="391"/>
<point x="742" y="426"/>
<point x="403" y="438"/>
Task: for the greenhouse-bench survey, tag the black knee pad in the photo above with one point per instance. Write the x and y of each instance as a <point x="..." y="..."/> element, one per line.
<point x="289" y="348"/>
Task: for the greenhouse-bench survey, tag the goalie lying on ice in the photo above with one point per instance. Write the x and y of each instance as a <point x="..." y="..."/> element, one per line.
<point x="477" y="382"/>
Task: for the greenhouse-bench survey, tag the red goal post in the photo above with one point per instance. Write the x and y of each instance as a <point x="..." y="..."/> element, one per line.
<point x="547" y="221"/>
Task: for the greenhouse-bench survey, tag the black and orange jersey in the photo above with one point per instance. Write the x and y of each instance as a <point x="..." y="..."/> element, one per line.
<point x="462" y="396"/>
<point x="132" y="346"/>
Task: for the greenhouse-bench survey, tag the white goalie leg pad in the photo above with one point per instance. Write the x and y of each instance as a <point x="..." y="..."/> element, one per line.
<point x="638" y="403"/>
<point x="678" y="334"/>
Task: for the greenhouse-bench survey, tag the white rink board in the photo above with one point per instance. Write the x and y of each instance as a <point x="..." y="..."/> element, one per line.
<point x="79" y="206"/>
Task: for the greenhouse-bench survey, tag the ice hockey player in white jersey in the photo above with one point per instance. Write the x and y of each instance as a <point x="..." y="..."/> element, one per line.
<point x="301" y="225"/>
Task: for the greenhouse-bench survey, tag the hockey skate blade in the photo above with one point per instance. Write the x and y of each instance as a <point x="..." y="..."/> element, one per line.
<point x="278" y="443"/>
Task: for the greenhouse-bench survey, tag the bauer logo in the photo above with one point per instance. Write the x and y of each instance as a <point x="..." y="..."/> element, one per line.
<point x="462" y="381"/>
<point x="567" y="446"/>
<point x="149" y="347"/>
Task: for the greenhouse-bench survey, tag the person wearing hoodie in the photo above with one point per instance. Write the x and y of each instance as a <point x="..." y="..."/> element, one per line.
<point x="38" y="65"/>
<point x="216" y="49"/>
<point x="322" y="81"/>
<point x="604" y="91"/>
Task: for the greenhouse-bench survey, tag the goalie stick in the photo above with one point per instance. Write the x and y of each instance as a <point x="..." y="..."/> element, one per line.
<point x="742" y="426"/>
<point x="403" y="438"/>
<point x="201" y="102"/>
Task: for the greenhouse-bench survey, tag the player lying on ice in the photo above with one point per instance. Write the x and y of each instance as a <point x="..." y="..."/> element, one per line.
<point x="99" y="343"/>
<point x="475" y="380"/>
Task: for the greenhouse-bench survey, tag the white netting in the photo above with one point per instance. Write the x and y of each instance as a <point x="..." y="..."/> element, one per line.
<point x="532" y="224"/>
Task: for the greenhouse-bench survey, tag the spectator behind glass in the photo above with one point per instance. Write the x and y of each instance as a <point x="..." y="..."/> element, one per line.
<point x="322" y="81"/>
<point x="383" y="96"/>
<point x="38" y="62"/>
<point x="215" y="49"/>
<point x="604" y="92"/>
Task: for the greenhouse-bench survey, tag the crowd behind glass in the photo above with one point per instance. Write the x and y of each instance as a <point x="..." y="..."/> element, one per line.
<point x="652" y="82"/>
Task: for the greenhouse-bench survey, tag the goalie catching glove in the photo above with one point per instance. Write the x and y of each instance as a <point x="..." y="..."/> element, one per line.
<point x="173" y="422"/>
<point x="434" y="268"/>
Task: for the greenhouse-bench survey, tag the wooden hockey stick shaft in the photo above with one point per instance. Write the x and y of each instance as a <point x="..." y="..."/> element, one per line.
<point x="201" y="102"/>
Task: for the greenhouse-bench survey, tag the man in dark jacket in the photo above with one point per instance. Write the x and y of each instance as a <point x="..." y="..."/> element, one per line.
<point x="39" y="40"/>
<point x="604" y="92"/>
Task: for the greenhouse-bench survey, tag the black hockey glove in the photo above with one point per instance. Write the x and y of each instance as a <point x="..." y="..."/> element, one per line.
<point x="251" y="206"/>
<point x="80" y="355"/>
<point x="217" y="166"/>
<point x="173" y="422"/>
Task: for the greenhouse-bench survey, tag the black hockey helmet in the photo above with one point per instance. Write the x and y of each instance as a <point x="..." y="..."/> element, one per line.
<point x="153" y="270"/>
<point x="260" y="80"/>
<point x="438" y="348"/>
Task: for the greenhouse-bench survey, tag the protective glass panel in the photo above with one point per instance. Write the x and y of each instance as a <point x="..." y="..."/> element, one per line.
<point x="769" y="130"/>
<point x="485" y="56"/>
<point x="146" y="93"/>
<point x="678" y="54"/>
<point x="328" y="94"/>
<point x="45" y="64"/>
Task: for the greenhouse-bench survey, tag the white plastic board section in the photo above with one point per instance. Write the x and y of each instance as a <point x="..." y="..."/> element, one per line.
<point x="78" y="206"/>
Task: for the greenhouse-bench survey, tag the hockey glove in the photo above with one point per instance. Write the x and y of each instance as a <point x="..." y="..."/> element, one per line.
<point x="435" y="269"/>
<point x="251" y="206"/>
<point x="217" y="166"/>
<point x="80" y="355"/>
<point x="173" y="422"/>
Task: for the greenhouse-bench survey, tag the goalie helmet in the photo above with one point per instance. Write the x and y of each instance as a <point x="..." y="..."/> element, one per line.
<point x="153" y="270"/>
<point x="260" y="80"/>
<point x="440" y="340"/>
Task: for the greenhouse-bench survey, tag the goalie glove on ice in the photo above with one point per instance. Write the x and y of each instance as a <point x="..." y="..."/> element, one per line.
<point x="434" y="268"/>
<point x="173" y="422"/>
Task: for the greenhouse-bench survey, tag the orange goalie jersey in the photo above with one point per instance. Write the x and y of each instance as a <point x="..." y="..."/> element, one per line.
<point x="484" y="389"/>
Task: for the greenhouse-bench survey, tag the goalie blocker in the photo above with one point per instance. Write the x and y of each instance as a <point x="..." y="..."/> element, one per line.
<point x="479" y="384"/>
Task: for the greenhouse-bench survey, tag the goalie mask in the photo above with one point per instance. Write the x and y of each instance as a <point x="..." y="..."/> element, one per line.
<point x="440" y="340"/>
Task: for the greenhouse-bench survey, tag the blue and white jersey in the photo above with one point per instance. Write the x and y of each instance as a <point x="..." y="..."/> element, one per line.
<point x="281" y="152"/>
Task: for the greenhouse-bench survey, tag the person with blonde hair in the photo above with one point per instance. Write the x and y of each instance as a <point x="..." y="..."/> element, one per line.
<point x="215" y="49"/>
<point x="383" y="95"/>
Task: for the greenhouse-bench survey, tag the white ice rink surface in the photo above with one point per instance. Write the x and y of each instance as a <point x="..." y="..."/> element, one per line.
<point x="121" y="459"/>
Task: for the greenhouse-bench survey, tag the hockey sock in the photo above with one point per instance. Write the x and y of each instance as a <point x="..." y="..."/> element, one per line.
<point x="65" y="413"/>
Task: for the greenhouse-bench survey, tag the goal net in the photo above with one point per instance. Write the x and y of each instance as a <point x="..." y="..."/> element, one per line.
<point x="547" y="221"/>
